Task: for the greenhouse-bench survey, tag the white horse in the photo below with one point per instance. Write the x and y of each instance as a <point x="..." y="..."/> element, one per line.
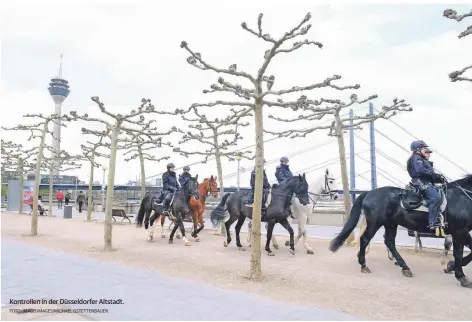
<point x="322" y="185"/>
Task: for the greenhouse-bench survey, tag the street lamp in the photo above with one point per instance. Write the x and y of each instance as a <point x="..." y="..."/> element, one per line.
<point x="238" y="157"/>
<point x="104" y="168"/>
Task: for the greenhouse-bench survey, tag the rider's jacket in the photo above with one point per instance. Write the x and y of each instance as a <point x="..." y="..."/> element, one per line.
<point x="283" y="172"/>
<point x="169" y="182"/>
<point x="184" y="177"/>
<point x="420" y="169"/>
<point x="266" y="184"/>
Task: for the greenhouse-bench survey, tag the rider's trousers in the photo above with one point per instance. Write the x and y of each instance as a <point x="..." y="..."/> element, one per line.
<point x="433" y="200"/>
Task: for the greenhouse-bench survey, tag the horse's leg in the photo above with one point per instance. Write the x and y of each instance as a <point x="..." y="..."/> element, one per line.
<point x="465" y="261"/>
<point x="389" y="239"/>
<point x="289" y="228"/>
<point x="151" y="225"/>
<point x="163" y="220"/>
<point x="361" y="232"/>
<point x="194" y="222"/>
<point x="458" y="242"/>
<point x="447" y="248"/>
<point x="201" y="222"/>
<point x="180" y="224"/>
<point x="274" y="241"/>
<point x="270" y="229"/>
<point x="237" y="229"/>
<point x="228" y="224"/>
<point x="249" y="233"/>
<point x="171" y="237"/>
<point x="365" y="238"/>
<point x="302" y="233"/>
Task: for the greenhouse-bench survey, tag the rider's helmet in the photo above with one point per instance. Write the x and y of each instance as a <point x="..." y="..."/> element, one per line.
<point x="283" y="159"/>
<point x="170" y="165"/>
<point x="418" y="145"/>
<point x="186" y="168"/>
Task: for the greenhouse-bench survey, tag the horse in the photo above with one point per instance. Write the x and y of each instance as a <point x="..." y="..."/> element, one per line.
<point x="178" y="208"/>
<point x="321" y="186"/>
<point x="276" y="211"/>
<point x="385" y="207"/>
<point x="197" y="206"/>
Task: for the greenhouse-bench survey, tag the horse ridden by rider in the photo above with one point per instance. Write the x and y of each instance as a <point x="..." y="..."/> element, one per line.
<point x="391" y="206"/>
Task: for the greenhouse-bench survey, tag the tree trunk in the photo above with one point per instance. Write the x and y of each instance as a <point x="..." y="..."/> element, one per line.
<point x="90" y="190"/>
<point x="37" y="180"/>
<point x="256" y="267"/>
<point x="22" y="192"/>
<point x="143" y="173"/>
<point x="219" y="170"/>
<point x="344" y="176"/>
<point x="110" y="185"/>
<point x="51" y="182"/>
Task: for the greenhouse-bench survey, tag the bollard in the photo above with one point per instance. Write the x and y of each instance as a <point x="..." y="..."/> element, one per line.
<point x="67" y="212"/>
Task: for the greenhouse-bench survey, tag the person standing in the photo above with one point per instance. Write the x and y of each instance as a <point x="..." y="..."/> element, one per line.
<point x="80" y="200"/>
<point x="60" y="199"/>
<point x="67" y="198"/>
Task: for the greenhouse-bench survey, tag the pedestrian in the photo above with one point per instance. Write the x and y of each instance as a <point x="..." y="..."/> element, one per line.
<point x="67" y="198"/>
<point x="60" y="199"/>
<point x="80" y="200"/>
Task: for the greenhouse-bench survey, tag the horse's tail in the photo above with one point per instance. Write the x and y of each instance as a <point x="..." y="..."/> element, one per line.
<point x="140" y="216"/>
<point x="350" y="224"/>
<point x="223" y="200"/>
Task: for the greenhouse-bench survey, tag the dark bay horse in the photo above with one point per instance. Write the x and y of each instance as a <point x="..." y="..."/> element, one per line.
<point x="276" y="212"/>
<point x="381" y="207"/>
<point x="149" y="210"/>
<point x="208" y="187"/>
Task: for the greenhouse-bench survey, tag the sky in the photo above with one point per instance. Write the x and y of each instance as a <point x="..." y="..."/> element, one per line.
<point x="123" y="52"/>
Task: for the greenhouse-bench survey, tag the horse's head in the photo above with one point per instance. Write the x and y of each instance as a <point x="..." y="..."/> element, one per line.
<point x="300" y="188"/>
<point x="329" y="185"/>
<point x="191" y="187"/>
<point x="212" y="187"/>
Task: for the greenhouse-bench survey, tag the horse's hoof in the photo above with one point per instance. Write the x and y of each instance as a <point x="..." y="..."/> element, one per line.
<point x="270" y="253"/>
<point x="163" y="236"/>
<point x="465" y="282"/>
<point x="291" y="251"/>
<point x="178" y="236"/>
<point x="287" y="243"/>
<point x="197" y="239"/>
<point x="225" y="243"/>
<point x="451" y="266"/>
<point x="276" y="246"/>
<point x="365" y="270"/>
<point x="188" y="244"/>
<point x="242" y="249"/>
<point x="407" y="273"/>
<point x="171" y="241"/>
<point x="310" y="252"/>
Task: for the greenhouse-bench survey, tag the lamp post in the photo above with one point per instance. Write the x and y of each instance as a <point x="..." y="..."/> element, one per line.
<point x="238" y="157"/>
<point x="104" y="168"/>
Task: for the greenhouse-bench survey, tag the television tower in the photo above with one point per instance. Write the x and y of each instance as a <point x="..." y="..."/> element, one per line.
<point x="59" y="90"/>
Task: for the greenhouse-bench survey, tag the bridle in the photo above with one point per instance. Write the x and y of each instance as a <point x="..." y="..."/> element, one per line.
<point x="326" y="191"/>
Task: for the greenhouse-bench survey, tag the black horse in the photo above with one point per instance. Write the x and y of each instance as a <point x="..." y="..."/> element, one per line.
<point x="381" y="207"/>
<point x="178" y="209"/>
<point x="276" y="212"/>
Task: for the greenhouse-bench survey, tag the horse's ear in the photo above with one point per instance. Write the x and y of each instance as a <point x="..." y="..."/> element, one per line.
<point x="211" y="178"/>
<point x="327" y="171"/>
<point x="196" y="177"/>
<point x="304" y="177"/>
<point x="216" y="178"/>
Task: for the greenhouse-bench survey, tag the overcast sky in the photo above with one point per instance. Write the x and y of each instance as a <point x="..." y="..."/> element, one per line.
<point x="123" y="52"/>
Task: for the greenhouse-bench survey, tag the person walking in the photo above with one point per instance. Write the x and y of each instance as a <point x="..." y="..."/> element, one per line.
<point x="80" y="200"/>
<point x="67" y="198"/>
<point x="60" y="199"/>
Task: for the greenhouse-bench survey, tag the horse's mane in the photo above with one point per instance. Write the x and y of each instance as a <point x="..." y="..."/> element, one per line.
<point x="465" y="180"/>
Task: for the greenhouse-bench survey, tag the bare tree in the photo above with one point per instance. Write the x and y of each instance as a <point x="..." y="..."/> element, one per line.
<point x="117" y="126"/>
<point x="39" y="131"/>
<point x="139" y="145"/>
<point x="90" y="153"/>
<point x="59" y="161"/>
<point x="217" y="134"/>
<point x="16" y="157"/>
<point x="452" y="14"/>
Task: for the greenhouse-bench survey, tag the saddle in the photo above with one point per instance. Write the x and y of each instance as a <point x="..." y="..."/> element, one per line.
<point x="412" y="199"/>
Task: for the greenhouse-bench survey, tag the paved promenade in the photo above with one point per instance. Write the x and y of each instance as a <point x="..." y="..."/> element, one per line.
<point x="29" y="272"/>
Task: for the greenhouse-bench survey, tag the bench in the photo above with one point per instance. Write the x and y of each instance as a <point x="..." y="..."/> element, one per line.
<point x="120" y="213"/>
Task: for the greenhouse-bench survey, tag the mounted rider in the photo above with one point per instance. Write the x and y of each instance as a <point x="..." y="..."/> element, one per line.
<point x="282" y="171"/>
<point x="265" y="187"/>
<point x="169" y="185"/>
<point x="184" y="176"/>
<point x="424" y="177"/>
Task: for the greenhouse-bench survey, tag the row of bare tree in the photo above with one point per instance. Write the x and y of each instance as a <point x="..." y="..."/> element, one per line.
<point x="251" y="93"/>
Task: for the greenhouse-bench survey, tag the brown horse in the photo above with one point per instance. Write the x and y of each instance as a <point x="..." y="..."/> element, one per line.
<point x="197" y="207"/>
